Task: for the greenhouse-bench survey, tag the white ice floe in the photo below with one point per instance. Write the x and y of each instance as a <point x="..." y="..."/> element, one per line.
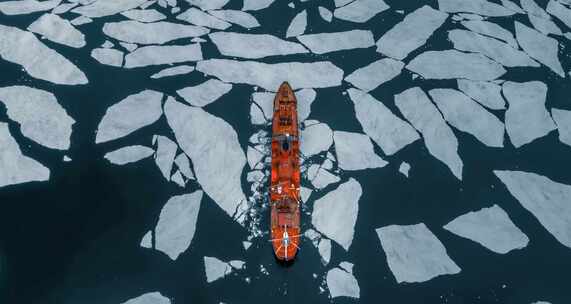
<point x="305" y="98"/>
<point x="389" y="131"/>
<point x="164" y="158"/>
<point x="102" y="8"/>
<point x="324" y="249"/>
<point x="326" y="14"/>
<point x="147" y="240"/>
<point x="512" y="6"/>
<point x="316" y="138"/>
<point x="111" y="57"/>
<point x="452" y="64"/>
<point x="355" y="151"/>
<point x="270" y="76"/>
<point x="559" y="11"/>
<point x="16" y="168"/>
<point x="360" y="10"/>
<point x="128" y="154"/>
<point x="177" y="224"/>
<point x="496" y="50"/>
<point x="257" y="116"/>
<point x="183" y="164"/>
<point x="320" y="177"/>
<point x="255" y="5"/>
<point x="546" y="199"/>
<point x="215" y="269"/>
<point x="40" y="116"/>
<point x="340" y="3"/>
<point x="539" y="18"/>
<point x="490" y="227"/>
<point x="151" y="33"/>
<point x="492" y="30"/>
<point x="177" y="70"/>
<point x="64" y="8"/>
<point x="165" y="54"/>
<point x="488" y="94"/>
<point x="246" y="244"/>
<point x="468" y="116"/>
<point x="414" y="253"/>
<point x="335" y="214"/>
<point x="38" y="60"/>
<point x="198" y="17"/>
<point x="240" y="18"/>
<point x="57" y="29"/>
<point x="404" y="168"/>
<point x="107" y="44"/>
<point x="331" y="42"/>
<point x="374" y="74"/>
<point x="130" y="114"/>
<point x="254" y="46"/>
<point x="81" y="20"/>
<point x="205" y="93"/>
<point x="526" y="118"/>
<point x="254" y="157"/>
<point x="342" y="284"/>
<point x="562" y="119"/>
<point x="297" y="25"/>
<point x="411" y="33"/>
<point x="480" y="7"/>
<point x="26" y="6"/>
<point x="425" y="117"/>
<point x="305" y="193"/>
<point x="209" y="4"/>
<point x="214" y="151"/>
<point x="149" y="298"/>
<point x="542" y="48"/>
<point x="148" y="15"/>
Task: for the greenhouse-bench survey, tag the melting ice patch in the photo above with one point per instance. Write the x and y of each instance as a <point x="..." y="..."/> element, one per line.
<point x="151" y="33"/>
<point x="26" y="6"/>
<point x="374" y="74"/>
<point x="331" y="42"/>
<point x="166" y="54"/>
<point x="487" y="94"/>
<point x="254" y="46"/>
<point x="480" y="7"/>
<point x="149" y="298"/>
<point x="205" y="93"/>
<point x="110" y="57"/>
<point x="563" y="120"/>
<point x="102" y="8"/>
<point x="240" y="18"/>
<point x="360" y="10"/>
<point x="540" y="47"/>
<point x="342" y="283"/>
<point x="297" y="25"/>
<point x="198" y="17"/>
<point x="355" y="151"/>
<point x="58" y="30"/>
<point x="128" y="154"/>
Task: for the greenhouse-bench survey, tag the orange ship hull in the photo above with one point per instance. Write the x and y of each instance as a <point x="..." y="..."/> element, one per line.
<point x="285" y="176"/>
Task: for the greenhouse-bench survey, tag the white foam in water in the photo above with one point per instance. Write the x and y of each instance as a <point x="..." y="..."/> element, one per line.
<point x="297" y="25"/>
<point x="38" y="60"/>
<point x="164" y="158"/>
<point x="240" y="18"/>
<point x="488" y="94"/>
<point x="320" y="177"/>
<point x="174" y="71"/>
<point x="111" y="57"/>
<point x="560" y="12"/>
<point x="326" y="14"/>
<point x="102" y="8"/>
<point x="324" y="249"/>
<point x="149" y="15"/>
<point x="342" y="284"/>
<point x="254" y="46"/>
<point x="468" y="116"/>
<point x="331" y="42"/>
<point x="414" y="253"/>
<point x="374" y="74"/>
<point x="355" y="151"/>
<point x="316" y="138"/>
<point x="411" y="33"/>
<point x="205" y="93"/>
<point x="151" y="33"/>
<point x="404" y="168"/>
<point x="490" y="227"/>
<point x="26" y="6"/>
<point x="183" y="164"/>
<point x="39" y="115"/>
<point x="452" y="64"/>
<point x="389" y="131"/>
<point x="562" y="119"/>
<point x="270" y="76"/>
<point x="438" y="137"/>
<point x="128" y="154"/>
<point x="209" y="4"/>
<point x="526" y="118"/>
<point x="16" y="168"/>
<point x="540" y="47"/>
<point x="214" y="151"/>
<point x="58" y="30"/>
<point x="360" y="10"/>
<point x="215" y="269"/>
<point x="255" y="5"/>
<point x="547" y="200"/>
<point x="480" y="7"/>
<point x="198" y="17"/>
<point x="335" y="214"/>
<point x="165" y="54"/>
<point x="149" y="298"/>
<point x="492" y="30"/>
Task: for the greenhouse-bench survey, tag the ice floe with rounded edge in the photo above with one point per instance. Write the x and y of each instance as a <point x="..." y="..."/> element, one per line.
<point x="335" y="214"/>
<point x="164" y="157"/>
<point x="174" y="71"/>
<point x="342" y="284"/>
<point x="374" y="74"/>
<point x="492" y="30"/>
<point x="360" y="11"/>
<point x="149" y="298"/>
<point x="200" y="18"/>
<point x="411" y="33"/>
<point x="102" y="8"/>
<point x="216" y="269"/>
<point x="58" y="30"/>
<point x="490" y="227"/>
<point x="404" y="168"/>
<point x="110" y="57"/>
<point x="39" y="61"/>
<point x="414" y="253"/>
<point x="205" y="93"/>
<point x="255" y="5"/>
<point x="385" y="128"/>
<point x="325" y="14"/>
<point x="130" y="114"/>
<point x="355" y="151"/>
<point x="297" y="25"/>
<point x="147" y="15"/>
<point x="129" y="154"/>
<point x="151" y="33"/>
<point x="22" y="7"/>
<point x="540" y="47"/>
<point x="562" y="119"/>
<point x="40" y="116"/>
<point x="546" y="199"/>
<point x="16" y="168"/>
<point x="480" y="7"/>
<point x="208" y="4"/>
<point x="316" y="138"/>
<point x="337" y="41"/>
<point x="164" y="54"/>
<point x="254" y="46"/>
<point x="320" y="177"/>
<point x="240" y="18"/>
<point x="487" y="94"/>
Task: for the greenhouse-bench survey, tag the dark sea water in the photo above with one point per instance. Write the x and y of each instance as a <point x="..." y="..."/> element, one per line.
<point x="76" y="238"/>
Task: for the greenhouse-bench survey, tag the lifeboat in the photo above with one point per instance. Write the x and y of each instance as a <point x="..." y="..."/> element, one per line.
<point x="285" y="176"/>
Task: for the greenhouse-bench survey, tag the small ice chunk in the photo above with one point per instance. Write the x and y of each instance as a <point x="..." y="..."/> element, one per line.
<point x="411" y="33"/>
<point x="146" y="16"/>
<point x="102" y="8"/>
<point x="128" y="154"/>
<point x="151" y="33"/>
<point x="297" y="25"/>
<point x="255" y="5"/>
<point x="346" y="266"/>
<point x="374" y="74"/>
<point x="26" y="6"/>
<point x="246" y="244"/>
<point x="559" y="11"/>
<point x="335" y="214"/>
<point x="254" y="157"/>
<point x="547" y="200"/>
<point x="404" y="168"/>
<point x="488" y="94"/>
<point x="386" y="129"/>
<point x="321" y="178"/>
<point x="164" y="54"/>
<point x="107" y="44"/>
<point x="130" y="114"/>
<point x="331" y="42"/>
<point x="183" y="164"/>
<point x="480" y="7"/>
<point x="254" y="46"/>
<point x="166" y="152"/>
<point x="326" y="14"/>
<point x="526" y="118"/>
<point x="81" y="20"/>
<point x="540" y="47"/>
<point x="240" y="18"/>
<point x="58" y="30"/>
<point x="147" y="240"/>
<point x="490" y="227"/>
<point x="204" y="93"/>
<point x="110" y="57"/>
<point x="342" y="284"/>
<point x="452" y="64"/>
<point x="177" y="178"/>
<point x="215" y="269"/>
<point x="324" y="249"/>
<point x="491" y="29"/>
<point x="209" y="4"/>
<point x="360" y="11"/>
<point x="355" y="151"/>
<point x="149" y="298"/>
<point x="563" y="121"/>
<point x="66" y="158"/>
<point x="305" y="98"/>
<point x="316" y="138"/>
<point x="198" y="17"/>
<point x="177" y="70"/>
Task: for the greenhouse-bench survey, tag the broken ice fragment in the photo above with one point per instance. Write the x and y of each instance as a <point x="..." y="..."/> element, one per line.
<point x="324" y="249"/>
<point x="480" y="7"/>
<point x="539" y="46"/>
<point x="111" y="57"/>
<point x="177" y="178"/>
<point x="559" y="11"/>
<point x="404" y="168"/>
<point x="355" y="151"/>
<point x="205" y="93"/>
<point x="128" y="154"/>
<point x="321" y="178"/>
<point x="240" y="18"/>
<point x="316" y="138"/>
<point x="331" y="42"/>
<point x="360" y="10"/>
<point x="255" y="5"/>
<point x="342" y="284"/>
<point x="167" y="54"/>
<point x="22" y="7"/>
<point x="254" y="157"/>
<point x="305" y="98"/>
<point x="58" y="30"/>
<point x="102" y="8"/>
<point x="178" y="70"/>
<point x="374" y="74"/>
<point x="149" y="298"/>
<point x="297" y="25"/>
<point x="254" y="46"/>
<point x="563" y="121"/>
<point x="198" y="17"/>
<point x="166" y="152"/>
<point x="81" y="20"/>
<point x="151" y="33"/>
<point x="183" y="165"/>
<point x="208" y="4"/>
<point x="215" y="269"/>
<point x="491" y="29"/>
<point x="146" y="16"/>
<point x="488" y="94"/>
<point x="326" y="14"/>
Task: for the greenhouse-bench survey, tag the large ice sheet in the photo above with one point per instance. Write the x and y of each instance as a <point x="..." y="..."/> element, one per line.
<point x="316" y="138"/>
<point x="198" y="17"/>
<point x="480" y="7"/>
<point x="270" y="76"/>
<point x="452" y="64"/>
<point x="360" y="10"/>
<point x="58" y="30"/>
<point x="331" y="42"/>
<point x="151" y="33"/>
<point x="342" y="284"/>
<point x="355" y="151"/>
<point x="129" y="154"/>
<point x="146" y="15"/>
<point x="102" y="8"/>
<point x="546" y="199"/>
<point x="110" y="57"/>
<point x="414" y="253"/>
<point x="374" y="74"/>
<point x="488" y="94"/>
<point x="164" y="54"/>
<point x="130" y="114"/>
<point x="438" y="137"/>
<point x="38" y="60"/>
<point x="39" y="115"/>
<point x="542" y="48"/>
<point x="411" y="33"/>
<point x="335" y="214"/>
<point x="240" y="18"/>
<point x="16" y="168"/>
<point x="166" y="152"/>
<point x="526" y="118"/>
<point x="205" y="93"/>
<point x="254" y="46"/>
<point x="491" y="29"/>
<point x="297" y="25"/>
<point x="389" y="131"/>
<point x="149" y="298"/>
<point x="490" y="227"/>
<point x="20" y="7"/>
<point x="562" y="119"/>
